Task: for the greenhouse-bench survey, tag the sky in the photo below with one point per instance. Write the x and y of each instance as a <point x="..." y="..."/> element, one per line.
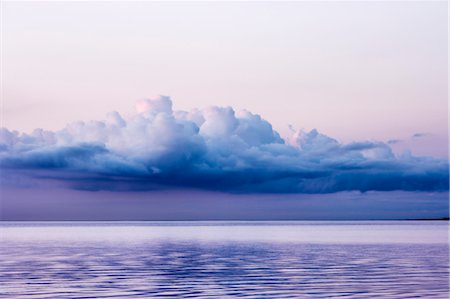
<point x="308" y="101"/>
<point x="353" y="70"/>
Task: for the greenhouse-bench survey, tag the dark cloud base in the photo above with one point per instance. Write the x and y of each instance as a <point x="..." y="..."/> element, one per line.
<point x="56" y="204"/>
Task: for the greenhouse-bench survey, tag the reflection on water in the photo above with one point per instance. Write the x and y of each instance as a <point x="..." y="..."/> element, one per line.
<point x="157" y="260"/>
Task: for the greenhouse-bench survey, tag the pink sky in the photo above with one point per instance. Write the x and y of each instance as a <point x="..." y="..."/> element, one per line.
<point x="354" y="71"/>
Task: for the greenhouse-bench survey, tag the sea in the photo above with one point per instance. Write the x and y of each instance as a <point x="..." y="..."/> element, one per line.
<point x="225" y="259"/>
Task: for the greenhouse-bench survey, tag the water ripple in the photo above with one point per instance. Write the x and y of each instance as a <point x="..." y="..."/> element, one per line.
<point x="158" y="268"/>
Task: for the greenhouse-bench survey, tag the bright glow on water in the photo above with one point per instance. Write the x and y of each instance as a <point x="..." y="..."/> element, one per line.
<point x="381" y="259"/>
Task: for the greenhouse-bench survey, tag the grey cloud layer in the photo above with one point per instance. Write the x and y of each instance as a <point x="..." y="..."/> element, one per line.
<point x="215" y="149"/>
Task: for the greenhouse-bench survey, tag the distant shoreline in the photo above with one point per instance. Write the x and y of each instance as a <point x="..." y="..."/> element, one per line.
<point x="431" y="219"/>
<point x="237" y="220"/>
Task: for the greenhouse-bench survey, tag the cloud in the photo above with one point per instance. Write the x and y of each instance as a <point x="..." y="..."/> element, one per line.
<point x="211" y="149"/>
<point x="420" y="135"/>
<point x="394" y="141"/>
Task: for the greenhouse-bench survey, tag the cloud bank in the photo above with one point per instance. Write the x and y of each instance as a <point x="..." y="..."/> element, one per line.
<point x="211" y="149"/>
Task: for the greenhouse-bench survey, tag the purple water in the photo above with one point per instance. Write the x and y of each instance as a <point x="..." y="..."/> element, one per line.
<point x="379" y="259"/>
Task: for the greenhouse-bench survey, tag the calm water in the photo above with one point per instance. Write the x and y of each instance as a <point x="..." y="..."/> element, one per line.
<point x="382" y="259"/>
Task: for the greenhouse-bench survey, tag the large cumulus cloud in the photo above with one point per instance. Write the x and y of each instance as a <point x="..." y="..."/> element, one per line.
<point x="214" y="148"/>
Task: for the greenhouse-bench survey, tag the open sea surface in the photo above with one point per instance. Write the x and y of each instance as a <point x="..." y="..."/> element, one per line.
<point x="225" y="259"/>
